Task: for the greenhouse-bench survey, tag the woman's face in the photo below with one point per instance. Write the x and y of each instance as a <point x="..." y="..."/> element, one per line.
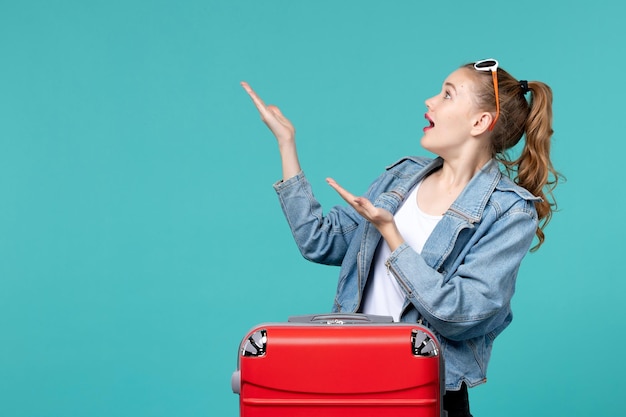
<point x="452" y="115"/>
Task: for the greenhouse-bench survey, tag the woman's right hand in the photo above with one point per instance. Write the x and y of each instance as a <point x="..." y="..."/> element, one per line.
<point x="280" y="126"/>
<point x="282" y="129"/>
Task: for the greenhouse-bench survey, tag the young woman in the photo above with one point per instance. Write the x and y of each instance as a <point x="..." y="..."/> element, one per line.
<point x="438" y="241"/>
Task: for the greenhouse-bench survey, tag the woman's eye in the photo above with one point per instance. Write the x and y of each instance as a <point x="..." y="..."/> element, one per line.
<point x="446" y="95"/>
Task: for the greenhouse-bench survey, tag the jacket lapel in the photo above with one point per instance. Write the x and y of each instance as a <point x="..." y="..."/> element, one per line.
<point x="464" y="212"/>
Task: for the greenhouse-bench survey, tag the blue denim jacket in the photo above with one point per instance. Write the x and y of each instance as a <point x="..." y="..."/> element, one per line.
<point x="461" y="284"/>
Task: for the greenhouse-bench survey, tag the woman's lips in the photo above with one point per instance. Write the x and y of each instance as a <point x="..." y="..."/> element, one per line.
<point x="431" y="123"/>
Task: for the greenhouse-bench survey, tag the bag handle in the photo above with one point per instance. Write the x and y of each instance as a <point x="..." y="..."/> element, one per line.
<point x="341" y="318"/>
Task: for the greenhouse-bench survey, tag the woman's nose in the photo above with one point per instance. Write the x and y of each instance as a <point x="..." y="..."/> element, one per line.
<point x="429" y="102"/>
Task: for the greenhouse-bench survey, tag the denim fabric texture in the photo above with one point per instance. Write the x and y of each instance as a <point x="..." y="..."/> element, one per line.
<point x="461" y="284"/>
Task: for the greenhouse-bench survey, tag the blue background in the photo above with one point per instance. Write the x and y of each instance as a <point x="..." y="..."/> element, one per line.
<point x="140" y="238"/>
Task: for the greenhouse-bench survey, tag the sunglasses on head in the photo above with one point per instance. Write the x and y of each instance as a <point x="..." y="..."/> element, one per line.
<point x="491" y="65"/>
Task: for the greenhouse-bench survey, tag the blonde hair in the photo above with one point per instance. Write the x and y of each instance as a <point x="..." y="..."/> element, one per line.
<point x="533" y="169"/>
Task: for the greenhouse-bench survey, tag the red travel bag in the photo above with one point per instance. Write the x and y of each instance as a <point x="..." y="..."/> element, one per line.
<point x="339" y="366"/>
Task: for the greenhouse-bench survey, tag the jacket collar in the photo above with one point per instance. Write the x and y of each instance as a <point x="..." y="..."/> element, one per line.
<point x="471" y="203"/>
<point x="473" y="199"/>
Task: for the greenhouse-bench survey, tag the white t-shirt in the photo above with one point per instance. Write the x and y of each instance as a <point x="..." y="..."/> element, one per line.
<point x="383" y="295"/>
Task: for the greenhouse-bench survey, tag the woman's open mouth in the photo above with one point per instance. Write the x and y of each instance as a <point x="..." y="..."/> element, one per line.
<point x="431" y="123"/>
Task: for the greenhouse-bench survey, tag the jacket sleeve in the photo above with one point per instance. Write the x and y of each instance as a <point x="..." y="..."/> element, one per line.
<point x="320" y="238"/>
<point x="474" y="299"/>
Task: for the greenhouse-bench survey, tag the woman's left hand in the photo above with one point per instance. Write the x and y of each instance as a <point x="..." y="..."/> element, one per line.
<point x="381" y="219"/>
<point x="375" y="215"/>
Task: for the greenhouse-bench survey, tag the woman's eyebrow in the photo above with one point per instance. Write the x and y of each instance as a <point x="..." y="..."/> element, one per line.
<point x="449" y="84"/>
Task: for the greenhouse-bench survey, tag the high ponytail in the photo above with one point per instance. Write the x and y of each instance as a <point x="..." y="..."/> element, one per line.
<point x="533" y="169"/>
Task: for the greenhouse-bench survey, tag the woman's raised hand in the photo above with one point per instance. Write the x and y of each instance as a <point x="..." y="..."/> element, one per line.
<point x="280" y="126"/>
<point x="282" y="129"/>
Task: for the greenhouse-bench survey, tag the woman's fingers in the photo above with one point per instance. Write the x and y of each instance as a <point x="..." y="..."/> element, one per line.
<point x="260" y="105"/>
<point x="253" y="95"/>
<point x="362" y="205"/>
<point x="341" y="191"/>
<point x="271" y="115"/>
<point x="277" y="113"/>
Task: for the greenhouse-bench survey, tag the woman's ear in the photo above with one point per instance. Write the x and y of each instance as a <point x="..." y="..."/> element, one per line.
<point x="481" y="123"/>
